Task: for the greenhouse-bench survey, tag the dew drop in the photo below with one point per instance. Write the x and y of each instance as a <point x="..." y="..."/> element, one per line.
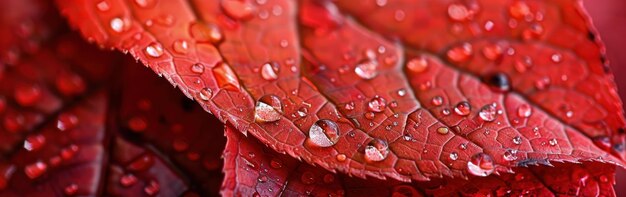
<point x="437" y="101"/>
<point x="480" y="164"/>
<point x="203" y="32"/>
<point x="137" y="124"/>
<point x="180" y="145"/>
<point x="128" y="180"/>
<point x="205" y="94"/>
<point x="241" y="10"/>
<point x="152" y="188"/>
<point x="262" y="179"/>
<point x="28" y="95"/>
<point x="154" y="50"/>
<point x="119" y="25"/>
<point x="67" y="121"/>
<point x="492" y="52"/>
<point x="324" y="133"/>
<point x="341" y="157"/>
<point x="70" y="84"/>
<point x="417" y="65"/>
<point x="141" y="163"/>
<point x="463" y="108"/>
<point x="604" y="142"/>
<point x="103" y="6"/>
<point x="71" y="189"/>
<point x="556" y="58"/>
<point x="145" y="3"/>
<point x="180" y="46"/>
<point x="69" y="152"/>
<point x="268" y="109"/>
<point x="553" y="142"/>
<point x="225" y="77"/>
<point x="197" y="68"/>
<point x="519" y="10"/>
<point x="35" y="170"/>
<point x="401" y="92"/>
<point x="377" y="104"/>
<point x="510" y="155"/>
<point x="454" y="156"/>
<point x="366" y="69"/>
<point x="34" y="142"/>
<point x="276" y="164"/>
<point x="269" y="70"/>
<point x="308" y="178"/>
<point x="443" y="130"/>
<point x="517" y="140"/>
<point x="488" y="112"/>
<point x="459" y="12"/>
<point x="460" y="53"/>
<point x="445" y="111"/>
<point x="376" y="150"/>
<point x="524" y="111"/>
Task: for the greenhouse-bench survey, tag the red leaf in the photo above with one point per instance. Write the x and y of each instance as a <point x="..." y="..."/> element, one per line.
<point x="254" y="170"/>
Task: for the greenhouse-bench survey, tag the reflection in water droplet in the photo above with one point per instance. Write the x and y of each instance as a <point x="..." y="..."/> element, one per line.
<point x="268" y="109"/>
<point x="376" y="150"/>
<point x="366" y="69"/>
<point x="480" y="165"/>
<point x="488" y="112"/>
<point x="510" y="155"/>
<point x="454" y="156"/>
<point x="417" y="65"/>
<point x="324" y="133"/>
<point x="67" y="121"/>
<point x="517" y="140"/>
<point x="34" y="142"/>
<point x="197" y="68"/>
<point x="269" y="70"/>
<point x="463" y="108"/>
<point x="154" y="50"/>
<point x="205" y="94"/>
<point x="443" y="130"/>
<point x="203" y="32"/>
<point x="226" y="77"/>
<point x="180" y="46"/>
<point x="35" y="170"/>
<point x="524" y="111"/>
<point x="341" y="157"/>
<point x="377" y="104"/>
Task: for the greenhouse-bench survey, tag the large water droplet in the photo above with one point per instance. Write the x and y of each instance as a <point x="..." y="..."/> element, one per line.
<point x="34" y="142"/>
<point x="269" y="70"/>
<point x="35" y="170"/>
<point x="376" y="150"/>
<point x="480" y="164"/>
<point x="268" y="109"/>
<point x="377" y="104"/>
<point x="226" y="77"/>
<point x="205" y="94"/>
<point x="488" y="112"/>
<point x="463" y="108"/>
<point x="417" y="65"/>
<point x="510" y="155"/>
<point x="324" y="133"/>
<point x="154" y="50"/>
<point x="242" y="10"/>
<point x="498" y="81"/>
<point x="366" y="69"/>
<point x="203" y="32"/>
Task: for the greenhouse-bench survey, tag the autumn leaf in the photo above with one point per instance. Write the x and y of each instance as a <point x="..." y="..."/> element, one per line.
<point x="412" y="97"/>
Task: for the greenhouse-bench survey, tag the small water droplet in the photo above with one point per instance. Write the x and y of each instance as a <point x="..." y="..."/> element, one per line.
<point x="225" y="77"/>
<point x="401" y="92"/>
<point x="180" y="46"/>
<point x="519" y="10"/>
<point x="488" y="112"/>
<point x="376" y="150"/>
<point x="145" y="3"/>
<point x="366" y="69"/>
<point x="480" y="164"/>
<point x="205" y="94"/>
<point x="324" y="133"/>
<point x="241" y="10"/>
<point x="103" y="6"/>
<point x="417" y="65"/>
<point x="489" y="25"/>
<point x="152" y="188"/>
<point x="119" y="25"/>
<point x="269" y="71"/>
<point x="268" y="109"/>
<point x="34" y="142"/>
<point x="262" y="179"/>
<point x="492" y="52"/>
<point x="377" y="104"/>
<point x="128" y="180"/>
<point x="28" y="95"/>
<point x="180" y="145"/>
<point x="276" y="164"/>
<point x="510" y="155"/>
<point x="197" y="68"/>
<point x="341" y="157"/>
<point x="445" y="111"/>
<point x="437" y="101"/>
<point x="517" y="140"/>
<point x="35" y="170"/>
<point x="459" y="12"/>
<point x="154" y="50"/>
<point x="524" y="111"/>
<point x="553" y="142"/>
<point x="498" y="81"/>
<point x="67" y="121"/>
<point x="463" y="146"/>
<point x="141" y="163"/>
<point x="454" y="156"/>
<point x="556" y="58"/>
<point x="70" y="83"/>
<point x="308" y="178"/>
<point x="460" y="53"/>
<point x="70" y="189"/>
<point x="443" y="130"/>
<point x="463" y="108"/>
<point x="138" y="124"/>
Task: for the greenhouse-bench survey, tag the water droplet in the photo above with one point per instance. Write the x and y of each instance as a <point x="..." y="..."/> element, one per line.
<point x="401" y="92"/>
<point x="445" y="111"/>
<point x="152" y="188"/>
<point x="381" y="3"/>
<point x="329" y="178"/>
<point x="519" y="10"/>
<point x="34" y="142"/>
<point x="69" y="152"/>
<point x="262" y="179"/>
<point x="28" y="95"/>
<point x="524" y="111"/>
<point x="6" y="172"/>
<point x="480" y="164"/>
<point x="70" y="83"/>
<point x="35" y="170"/>
<point x="417" y="65"/>
<point x="492" y="52"/>
<point x="454" y="156"/>
<point x="226" y="77"/>
<point x="324" y="133"/>
<point x="128" y="180"/>
<point x="154" y="50"/>
<point x="180" y="145"/>
<point x="517" y="140"/>
<point x="276" y="164"/>
<point x="241" y="10"/>
<point x="489" y="25"/>
<point x="443" y="130"/>
<point x="553" y="142"/>
<point x="203" y="32"/>
<point x="137" y="124"/>
<point x="197" y="68"/>
<point x="180" y="46"/>
<point x="205" y="94"/>
<point x="556" y="58"/>
<point x="437" y="101"/>
<point x="141" y="163"/>
<point x="67" y="121"/>
<point x="459" y="12"/>
<point x="510" y="155"/>
<point x="145" y="3"/>
<point x="268" y="109"/>
<point x="488" y="112"/>
<point x="463" y="108"/>
<point x="498" y="81"/>
<point x="460" y="53"/>
<point x="377" y="104"/>
<point x="103" y="6"/>
<point x="366" y="69"/>
<point x="341" y="157"/>
<point x="604" y="142"/>
<point x="376" y="150"/>
<point x="119" y="25"/>
<point x="463" y="146"/>
<point x="269" y="70"/>
<point x="70" y="189"/>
